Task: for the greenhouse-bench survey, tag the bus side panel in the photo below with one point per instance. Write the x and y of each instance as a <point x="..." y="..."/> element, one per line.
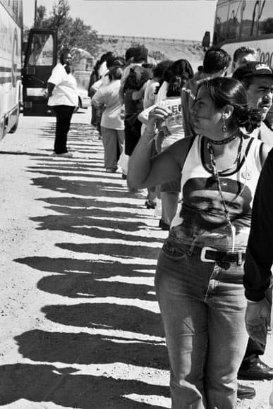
<point x="10" y="71"/>
<point x="264" y="48"/>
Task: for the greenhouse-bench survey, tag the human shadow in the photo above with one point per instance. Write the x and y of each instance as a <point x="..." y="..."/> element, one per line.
<point x="78" y="202"/>
<point x="86" y="349"/>
<point x="84" y="279"/>
<point x="102" y="315"/>
<point x="113" y="249"/>
<point x="67" y="388"/>
<point x="81" y="187"/>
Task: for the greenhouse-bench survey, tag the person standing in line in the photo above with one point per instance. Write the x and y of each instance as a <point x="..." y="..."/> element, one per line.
<point x="242" y="55"/>
<point x="112" y="125"/>
<point x="99" y="78"/>
<point x="215" y="64"/>
<point x="149" y="99"/>
<point x="63" y="98"/>
<point x="134" y="57"/>
<point x="170" y="131"/>
<point x="199" y="277"/>
<point x="257" y="79"/>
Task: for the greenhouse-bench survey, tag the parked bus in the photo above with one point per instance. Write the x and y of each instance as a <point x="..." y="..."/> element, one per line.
<point x="245" y="22"/>
<point x="11" y="22"/>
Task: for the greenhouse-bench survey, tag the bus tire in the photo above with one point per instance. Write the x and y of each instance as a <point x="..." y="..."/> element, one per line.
<point x="15" y="126"/>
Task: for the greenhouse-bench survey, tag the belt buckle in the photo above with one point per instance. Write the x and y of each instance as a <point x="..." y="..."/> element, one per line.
<point x="203" y="255"/>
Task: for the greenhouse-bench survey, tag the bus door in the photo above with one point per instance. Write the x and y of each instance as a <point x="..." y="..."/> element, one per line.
<point x="40" y="58"/>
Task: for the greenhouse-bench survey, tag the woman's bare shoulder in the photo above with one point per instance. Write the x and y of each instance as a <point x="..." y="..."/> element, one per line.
<point x="177" y="149"/>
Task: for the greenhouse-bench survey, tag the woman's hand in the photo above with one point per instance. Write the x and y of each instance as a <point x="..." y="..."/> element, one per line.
<point x="158" y="115"/>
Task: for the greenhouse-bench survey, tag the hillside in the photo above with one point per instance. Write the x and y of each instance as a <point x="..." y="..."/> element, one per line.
<point x="159" y="48"/>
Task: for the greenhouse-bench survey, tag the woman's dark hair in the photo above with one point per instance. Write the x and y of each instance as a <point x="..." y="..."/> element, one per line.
<point x="137" y="78"/>
<point x="116" y="62"/>
<point x="160" y="69"/>
<point x="228" y="91"/>
<point x="177" y="75"/>
<point x="129" y="53"/>
<point x="115" y="73"/>
<point x="159" y="72"/>
<point x="106" y="57"/>
<point x="140" y="54"/>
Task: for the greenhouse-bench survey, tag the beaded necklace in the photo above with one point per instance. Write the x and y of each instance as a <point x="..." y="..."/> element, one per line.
<point x="216" y="175"/>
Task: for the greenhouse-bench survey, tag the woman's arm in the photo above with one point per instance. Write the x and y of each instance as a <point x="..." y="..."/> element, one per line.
<point x="50" y="87"/>
<point x="265" y="149"/>
<point x="146" y="171"/>
<point x="99" y="99"/>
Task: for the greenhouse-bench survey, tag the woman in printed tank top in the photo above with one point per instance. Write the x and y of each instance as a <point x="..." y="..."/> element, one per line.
<point x="199" y="274"/>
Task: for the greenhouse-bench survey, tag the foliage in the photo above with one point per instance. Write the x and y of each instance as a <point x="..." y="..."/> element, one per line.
<point x="267" y="26"/>
<point x="71" y="32"/>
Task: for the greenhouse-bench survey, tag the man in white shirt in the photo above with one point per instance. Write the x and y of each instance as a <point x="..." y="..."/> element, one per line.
<point x="63" y="97"/>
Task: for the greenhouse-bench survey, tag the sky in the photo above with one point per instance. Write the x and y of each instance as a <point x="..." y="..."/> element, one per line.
<point x="181" y="19"/>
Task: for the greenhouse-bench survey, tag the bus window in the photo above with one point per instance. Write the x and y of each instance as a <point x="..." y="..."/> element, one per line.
<point x="220" y="23"/>
<point x="41" y="52"/>
<point x="266" y="18"/>
<point x="234" y="20"/>
<point x="250" y="13"/>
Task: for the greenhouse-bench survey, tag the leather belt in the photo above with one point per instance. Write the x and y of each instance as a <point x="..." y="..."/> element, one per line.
<point x="211" y="255"/>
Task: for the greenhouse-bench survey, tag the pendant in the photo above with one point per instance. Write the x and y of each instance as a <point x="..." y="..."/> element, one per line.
<point x="246" y="174"/>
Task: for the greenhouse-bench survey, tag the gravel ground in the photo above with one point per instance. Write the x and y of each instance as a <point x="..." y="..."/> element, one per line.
<point x="80" y="324"/>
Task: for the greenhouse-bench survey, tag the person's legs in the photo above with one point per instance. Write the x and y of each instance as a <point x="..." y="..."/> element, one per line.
<point x="227" y="342"/>
<point x="120" y="142"/>
<point x="185" y="323"/>
<point x="63" y="118"/>
<point x="109" y="138"/>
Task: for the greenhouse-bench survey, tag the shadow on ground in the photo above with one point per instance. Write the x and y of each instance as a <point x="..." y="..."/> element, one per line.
<point x="112" y="319"/>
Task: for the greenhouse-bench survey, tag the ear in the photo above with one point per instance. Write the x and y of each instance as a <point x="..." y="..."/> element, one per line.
<point x="227" y="111"/>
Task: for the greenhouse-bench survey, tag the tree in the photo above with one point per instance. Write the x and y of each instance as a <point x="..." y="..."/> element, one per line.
<point x="70" y="32"/>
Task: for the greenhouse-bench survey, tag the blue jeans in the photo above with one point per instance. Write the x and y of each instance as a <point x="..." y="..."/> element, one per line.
<point x="203" y="309"/>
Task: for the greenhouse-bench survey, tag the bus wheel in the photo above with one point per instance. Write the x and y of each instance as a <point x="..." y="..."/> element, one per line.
<point x="15" y="126"/>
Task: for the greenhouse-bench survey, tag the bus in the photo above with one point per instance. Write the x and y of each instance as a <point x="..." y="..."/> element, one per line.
<point x="11" y="24"/>
<point x="245" y="23"/>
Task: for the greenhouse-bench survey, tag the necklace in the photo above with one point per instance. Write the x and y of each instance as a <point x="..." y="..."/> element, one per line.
<point x="216" y="175"/>
<point x="223" y="141"/>
<point x="212" y="157"/>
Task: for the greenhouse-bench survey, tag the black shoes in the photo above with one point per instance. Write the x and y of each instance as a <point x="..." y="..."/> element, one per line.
<point x="255" y="370"/>
<point x="245" y="392"/>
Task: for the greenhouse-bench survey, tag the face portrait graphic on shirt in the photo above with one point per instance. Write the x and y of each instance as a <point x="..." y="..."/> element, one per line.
<point x="202" y="198"/>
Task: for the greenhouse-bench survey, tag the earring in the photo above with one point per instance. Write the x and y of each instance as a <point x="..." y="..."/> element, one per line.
<point x="224" y="126"/>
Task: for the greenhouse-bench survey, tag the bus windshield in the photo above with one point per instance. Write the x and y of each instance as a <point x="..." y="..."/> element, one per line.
<point x="41" y="51"/>
<point x="40" y="58"/>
